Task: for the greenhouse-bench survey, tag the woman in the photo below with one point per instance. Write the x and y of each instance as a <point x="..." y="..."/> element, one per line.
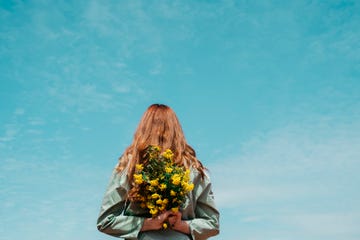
<point x="198" y="218"/>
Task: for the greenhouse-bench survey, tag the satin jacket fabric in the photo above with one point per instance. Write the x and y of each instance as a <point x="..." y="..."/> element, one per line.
<point x="123" y="219"/>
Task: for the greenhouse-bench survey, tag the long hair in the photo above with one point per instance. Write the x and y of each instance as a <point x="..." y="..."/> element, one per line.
<point x="159" y="126"/>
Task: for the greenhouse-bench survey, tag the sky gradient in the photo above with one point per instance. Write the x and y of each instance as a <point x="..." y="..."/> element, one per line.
<point x="268" y="93"/>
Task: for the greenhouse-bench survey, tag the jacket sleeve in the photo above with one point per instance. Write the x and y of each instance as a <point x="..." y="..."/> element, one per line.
<point x="206" y="222"/>
<point x="112" y="219"/>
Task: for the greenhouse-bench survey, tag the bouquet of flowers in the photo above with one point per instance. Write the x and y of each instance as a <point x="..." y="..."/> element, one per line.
<point x="159" y="183"/>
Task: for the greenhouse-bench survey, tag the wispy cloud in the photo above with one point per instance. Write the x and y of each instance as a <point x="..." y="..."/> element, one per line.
<point x="19" y="111"/>
<point x="304" y="172"/>
<point x="329" y="224"/>
<point x="81" y="97"/>
<point x="11" y="130"/>
<point x="294" y="225"/>
<point x="276" y="163"/>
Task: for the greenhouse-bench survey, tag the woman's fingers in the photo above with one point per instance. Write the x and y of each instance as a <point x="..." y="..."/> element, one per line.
<point x="172" y="220"/>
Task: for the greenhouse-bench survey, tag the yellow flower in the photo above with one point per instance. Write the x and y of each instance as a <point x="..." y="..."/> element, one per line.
<point x="165" y="225"/>
<point x="187" y="175"/>
<point x="190" y="187"/>
<point x="149" y="205"/>
<point x="153" y="211"/>
<point x="154" y="182"/>
<point x="168" y="154"/>
<point x="176" y="178"/>
<point x="139" y="167"/>
<point x="159" y="201"/>
<point x="168" y="169"/>
<point x="138" y="178"/>
<point x="156" y="148"/>
<point x="187" y="187"/>
<point x="165" y="201"/>
<point x="175" y="209"/>
<point x="155" y="196"/>
<point x="162" y="186"/>
<point x="172" y="193"/>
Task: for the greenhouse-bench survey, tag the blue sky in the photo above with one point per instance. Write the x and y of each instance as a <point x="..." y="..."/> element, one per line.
<point x="268" y="93"/>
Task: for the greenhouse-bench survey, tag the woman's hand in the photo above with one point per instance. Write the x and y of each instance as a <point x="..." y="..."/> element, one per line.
<point x="177" y="224"/>
<point x="155" y="223"/>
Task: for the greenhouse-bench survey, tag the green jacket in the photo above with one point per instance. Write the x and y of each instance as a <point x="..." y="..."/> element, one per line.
<point x="123" y="219"/>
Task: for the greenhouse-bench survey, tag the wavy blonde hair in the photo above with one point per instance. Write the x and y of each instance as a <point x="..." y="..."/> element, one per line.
<point x="159" y="126"/>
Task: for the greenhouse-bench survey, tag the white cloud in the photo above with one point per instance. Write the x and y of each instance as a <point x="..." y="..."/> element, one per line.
<point x="99" y="16"/>
<point x="121" y="88"/>
<point x="250" y="219"/>
<point x="156" y="69"/>
<point x="295" y="162"/>
<point x="36" y="121"/>
<point x="296" y="182"/>
<point x="11" y="130"/>
<point x="329" y="224"/>
<point x="81" y="97"/>
<point x="19" y="111"/>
